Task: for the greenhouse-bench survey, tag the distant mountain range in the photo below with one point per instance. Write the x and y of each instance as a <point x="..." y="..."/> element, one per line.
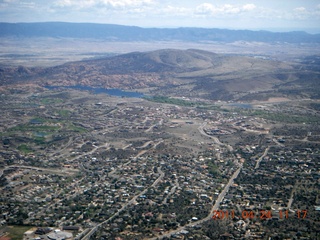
<point x="172" y="72"/>
<point x="130" y="33"/>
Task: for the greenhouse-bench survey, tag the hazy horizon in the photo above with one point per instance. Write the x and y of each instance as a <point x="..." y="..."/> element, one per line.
<point x="307" y="30"/>
<point x="275" y="16"/>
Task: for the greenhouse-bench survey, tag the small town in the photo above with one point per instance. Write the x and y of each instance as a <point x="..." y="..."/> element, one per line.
<point x="78" y="165"/>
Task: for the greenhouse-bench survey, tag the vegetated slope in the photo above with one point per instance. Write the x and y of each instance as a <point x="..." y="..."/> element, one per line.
<point x="173" y="72"/>
<point x="131" y="33"/>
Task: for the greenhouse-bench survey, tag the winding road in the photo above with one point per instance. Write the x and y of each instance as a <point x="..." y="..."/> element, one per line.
<point x="215" y="139"/>
<point x="260" y="158"/>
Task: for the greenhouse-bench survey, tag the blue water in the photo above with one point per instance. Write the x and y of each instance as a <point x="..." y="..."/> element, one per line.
<point x="40" y="134"/>
<point x="113" y="92"/>
<point x="240" y="105"/>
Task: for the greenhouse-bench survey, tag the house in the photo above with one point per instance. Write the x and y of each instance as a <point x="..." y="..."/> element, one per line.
<point x="71" y="228"/>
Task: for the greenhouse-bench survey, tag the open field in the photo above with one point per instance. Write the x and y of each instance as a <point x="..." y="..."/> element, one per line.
<point x="16" y="232"/>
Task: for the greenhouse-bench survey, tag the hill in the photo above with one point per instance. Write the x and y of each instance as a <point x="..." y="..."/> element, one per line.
<point x="193" y="73"/>
<point x="132" y="33"/>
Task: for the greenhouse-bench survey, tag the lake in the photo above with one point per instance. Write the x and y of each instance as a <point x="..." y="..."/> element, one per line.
<point x="113" y="92"/>
<point x="240" y="105"/>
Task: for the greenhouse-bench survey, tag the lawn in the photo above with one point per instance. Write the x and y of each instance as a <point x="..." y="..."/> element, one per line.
<point x="25" y="149"/>
<point x="16" y="232"/>
<point x="63" y="112"/>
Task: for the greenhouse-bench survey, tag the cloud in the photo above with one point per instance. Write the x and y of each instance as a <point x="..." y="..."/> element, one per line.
<point x="159" y="12"/>
<point x="5" y="3"/>
<point x="256" y="12"/>
<point x="249" y="7"/>
<point x="205" y="8"/>
<point x="126" y="3"/>
<point x="174" y="11"/>
<point x="300" y="9"/>
<point x="226" y="9"/>
<point x="17" y="6"/>
<point x="102" y="3"/>
<point x="302" y="13"/>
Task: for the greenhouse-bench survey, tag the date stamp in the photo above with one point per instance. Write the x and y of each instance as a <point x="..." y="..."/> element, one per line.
<point x="262" y="214"/>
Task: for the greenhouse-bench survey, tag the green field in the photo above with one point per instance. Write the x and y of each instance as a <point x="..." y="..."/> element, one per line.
<point x="25" y="149"/>
<point x="63" y="112"/>
<point x="35" y="128"/>
<point x="16" y="232"/>
<point x="76" y="128"/>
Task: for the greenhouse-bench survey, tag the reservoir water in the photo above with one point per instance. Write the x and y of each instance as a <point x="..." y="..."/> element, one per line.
<point x="113" y="92"/>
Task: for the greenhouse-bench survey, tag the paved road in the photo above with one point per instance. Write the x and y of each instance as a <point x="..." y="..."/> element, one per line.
<point x="145" y="144"/>
<point x="210" y="215"/>
<point x="260" y="158"/>
<point x="155" y="146"/>
<point x="105" y="145"/>
<point x="173" y="189"/>
<point x="63" y="152"/>
<point x="154" y="125"/>
<point x="58" y="171"/>
<point x="291" y="196"/>
<point x="279" y="144"/>
<point x="138" y="155"/>
<point x="215" y="139"/>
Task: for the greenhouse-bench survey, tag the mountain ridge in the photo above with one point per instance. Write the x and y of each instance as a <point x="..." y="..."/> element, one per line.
<point x="172" y="72"/>
<point x="114" y="32"/>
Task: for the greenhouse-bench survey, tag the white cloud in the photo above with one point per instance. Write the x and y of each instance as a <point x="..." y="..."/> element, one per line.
<point x="206" y="8"/>
<point x="302" y="13"/>
<point x="125" y="3"/>
<point x="175" y="11"/>
<point x="203" y="13"/>
<point x="226" y="9"/>
<point x="105" y="3"/>
<point x="249" y="7"/>
<point x="300" y="9"/>
<point x="256" y="12"/>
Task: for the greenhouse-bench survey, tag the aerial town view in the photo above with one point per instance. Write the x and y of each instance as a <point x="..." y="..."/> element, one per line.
<point x="115" y="132"/>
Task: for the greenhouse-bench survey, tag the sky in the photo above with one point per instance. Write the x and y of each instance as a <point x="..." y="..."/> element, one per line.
<point x="272" y="15"/>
